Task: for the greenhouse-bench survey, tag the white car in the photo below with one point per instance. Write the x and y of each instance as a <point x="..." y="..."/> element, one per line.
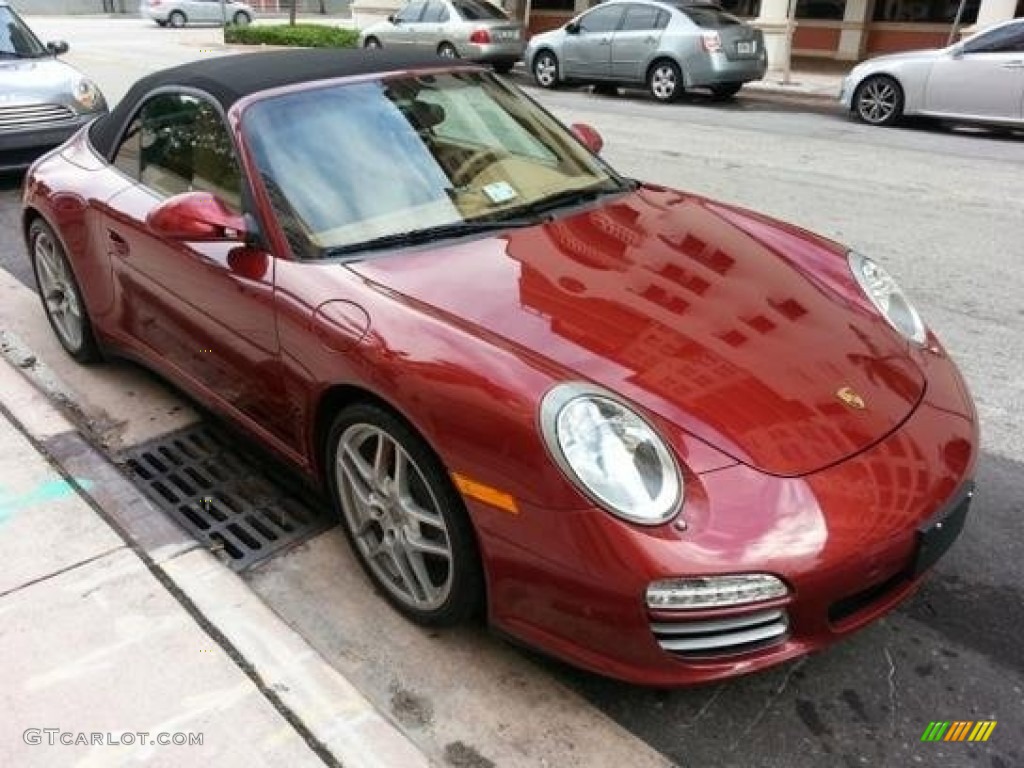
<point x="978" y="80"/>
<point x="178" y="13"/>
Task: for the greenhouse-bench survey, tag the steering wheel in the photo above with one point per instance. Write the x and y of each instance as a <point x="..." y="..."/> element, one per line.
<point x="476" y="163"/>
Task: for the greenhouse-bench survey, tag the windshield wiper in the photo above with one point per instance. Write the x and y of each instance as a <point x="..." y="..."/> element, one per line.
<point x="567" y="197"/>
<point x="441" y="232"/>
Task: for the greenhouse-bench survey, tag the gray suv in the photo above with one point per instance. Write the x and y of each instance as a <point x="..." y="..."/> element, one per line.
<point x="43" y="101"/>
<point x="667" y="46"/>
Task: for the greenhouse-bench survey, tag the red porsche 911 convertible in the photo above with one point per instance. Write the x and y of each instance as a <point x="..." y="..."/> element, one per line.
<point x="657" y="436"/>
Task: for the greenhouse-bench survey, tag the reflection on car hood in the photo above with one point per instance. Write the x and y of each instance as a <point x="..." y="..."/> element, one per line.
<point x="35" y="80"/>
<point x="745" y="332"/>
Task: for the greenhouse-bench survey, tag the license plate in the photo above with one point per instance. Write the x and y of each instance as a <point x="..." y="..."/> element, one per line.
<point x="508" y="35"/>
<point x="938" y="534"/>
<point x="746" y="47"/>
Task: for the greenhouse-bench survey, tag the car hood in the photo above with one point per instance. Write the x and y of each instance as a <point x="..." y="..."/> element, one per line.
<point x="749" y="334"/>
<point x="33" y="80"/>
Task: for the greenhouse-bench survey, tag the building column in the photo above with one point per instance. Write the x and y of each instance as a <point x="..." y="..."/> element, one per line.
<point x="772" y="21"/>
<point x="993" y="11"/>
<point x="856" y="19"/>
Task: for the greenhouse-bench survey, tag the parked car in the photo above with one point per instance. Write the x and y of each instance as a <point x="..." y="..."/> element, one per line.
<point x="466" y="29"/>
<point x="978" y="80"/>
<point x="43" y="100"/>
<point x="659" y="436"/>
<point x="178" y="13"/>
<point x="669" y="47"/>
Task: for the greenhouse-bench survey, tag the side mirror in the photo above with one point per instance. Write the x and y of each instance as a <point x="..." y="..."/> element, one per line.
<point x="196" y="217"/>
<point x="57" y="47"/>
<point x="589" y="136"/>
<point x="957" y="51"/>
<point x="394" y="19"/>
<point x="572" y="28"/>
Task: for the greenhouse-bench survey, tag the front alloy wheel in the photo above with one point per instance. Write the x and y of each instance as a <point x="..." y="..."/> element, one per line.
<point x="879" y="101"/>
<point x="403" y="517"/>
<point x="62" y="300"/>
<point x="545" y="69"/>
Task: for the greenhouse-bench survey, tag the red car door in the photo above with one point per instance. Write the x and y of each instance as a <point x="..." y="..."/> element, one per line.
<point x="202" y="310"/>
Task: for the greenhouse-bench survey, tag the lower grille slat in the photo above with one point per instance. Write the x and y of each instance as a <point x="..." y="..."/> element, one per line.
<point x="721" y="636"/>
<point x="18" y="116"/>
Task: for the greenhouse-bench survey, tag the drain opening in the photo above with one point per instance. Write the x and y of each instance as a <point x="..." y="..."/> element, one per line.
<point x="239" y="504"/>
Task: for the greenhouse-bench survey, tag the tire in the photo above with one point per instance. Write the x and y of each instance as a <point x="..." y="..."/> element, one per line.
<point x="371" y="42"/>
<point x="665" y="81"/>
<point x="447" y="51"/>
<point x="545" y="69"/>
<point x="60" y="294"/>
<point x="503" y="69"/>
<point x="384" y="524"/>
<point x="725" y="92"/>
<point x="241" y="19"/>
<point x="878" y="100"/>
<point x="177" y="19"/>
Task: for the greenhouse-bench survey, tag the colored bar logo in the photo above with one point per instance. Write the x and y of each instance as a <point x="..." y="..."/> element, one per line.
<point x="959" y="730"/>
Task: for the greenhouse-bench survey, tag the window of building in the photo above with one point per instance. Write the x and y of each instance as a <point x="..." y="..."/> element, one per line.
<point x="820" y="9"/>
<point x="745" y="8"/>
<point x="553" y="5"/>
<point x="925" y="11"/>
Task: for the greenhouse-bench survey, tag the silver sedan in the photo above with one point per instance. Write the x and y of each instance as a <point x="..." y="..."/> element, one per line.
<point x="468" y="29"/>
<point x="43" y="101"/>
<point x="667" y="46"/>
<point x="979" y="80"/>
<point x="178" y="13"/>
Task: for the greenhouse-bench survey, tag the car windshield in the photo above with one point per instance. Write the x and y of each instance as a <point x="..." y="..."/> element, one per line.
<point x="16" y="39"/>
<point x="367" y="163"/>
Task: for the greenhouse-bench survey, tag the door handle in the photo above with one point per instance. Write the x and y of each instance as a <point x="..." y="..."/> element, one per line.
<point x="1014" y="65"/>
<point x="118" y="244"/>
<point x="605" y="41"/>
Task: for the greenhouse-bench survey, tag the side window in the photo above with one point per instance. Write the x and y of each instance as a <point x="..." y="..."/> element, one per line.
<point x="602" y="20"/>
<point x="436" y="13"/>
<point x="641" y="18"/>
<point x="411" y="12"/>
<point x="1008" y="39"/>
<point x="184" y="146"/>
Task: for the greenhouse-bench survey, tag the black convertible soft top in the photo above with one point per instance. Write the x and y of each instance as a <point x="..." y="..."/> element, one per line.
<point x="230" y="78"/>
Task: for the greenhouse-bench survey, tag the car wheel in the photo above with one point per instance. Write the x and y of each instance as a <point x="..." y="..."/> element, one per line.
<point x="242" y="19"/>
<point x="176" y="19"/>
<point x="403" y="517"/>
<point x="62" y="299"/>
<point x="879" y="100"/>
<point x="545" y="69"/>
<point x="723" y="92"/>
<point x="503" y="69"/>
<point x="447" y="51"/>
<point x="371" y="42"/>
<point x="665" y="80"/>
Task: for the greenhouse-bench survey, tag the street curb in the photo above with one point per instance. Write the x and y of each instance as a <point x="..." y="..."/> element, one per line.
<point x="337" y="722"/>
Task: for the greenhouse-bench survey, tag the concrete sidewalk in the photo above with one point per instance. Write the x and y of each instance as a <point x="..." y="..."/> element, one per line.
<point x="122" y="641"/>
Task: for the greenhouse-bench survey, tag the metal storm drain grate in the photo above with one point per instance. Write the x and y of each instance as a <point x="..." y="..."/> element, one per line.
<point x="224" y="498"/>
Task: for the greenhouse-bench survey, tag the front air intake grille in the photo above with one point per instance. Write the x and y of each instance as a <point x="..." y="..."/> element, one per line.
<point x="722" y="636"/>
<point x="17" y="117"/>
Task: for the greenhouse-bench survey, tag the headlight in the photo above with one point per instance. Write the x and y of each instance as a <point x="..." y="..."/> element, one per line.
<point x="886" y="295"/>
<point x="611" y="453"/>
<point x="87" y="95"/>
<point x="714" y="591"/>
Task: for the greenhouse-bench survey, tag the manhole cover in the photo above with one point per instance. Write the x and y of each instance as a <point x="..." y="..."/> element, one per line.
<point x="241" y="507"/>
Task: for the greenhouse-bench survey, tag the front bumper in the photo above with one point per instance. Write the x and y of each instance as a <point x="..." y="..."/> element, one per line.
<point x="19" y="148"/>
<point x="844" y="539"/>
<point x="846" y="93"/>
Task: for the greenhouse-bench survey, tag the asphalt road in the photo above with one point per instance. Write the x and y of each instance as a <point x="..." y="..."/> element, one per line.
<point x="944" y="210"/>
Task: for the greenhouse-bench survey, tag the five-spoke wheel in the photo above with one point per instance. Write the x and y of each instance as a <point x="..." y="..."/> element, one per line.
<point x="403" y="517"/>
